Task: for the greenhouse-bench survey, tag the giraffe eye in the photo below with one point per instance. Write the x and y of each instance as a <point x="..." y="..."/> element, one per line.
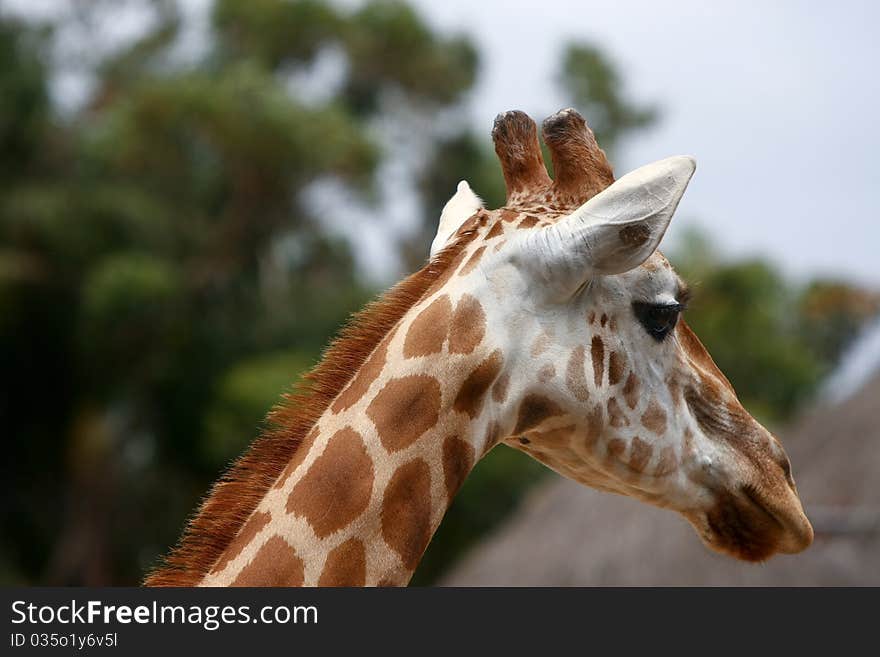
<point x="658" y="319"/>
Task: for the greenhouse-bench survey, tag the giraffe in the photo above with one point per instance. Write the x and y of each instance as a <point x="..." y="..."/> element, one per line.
<point x="552" y="325"/>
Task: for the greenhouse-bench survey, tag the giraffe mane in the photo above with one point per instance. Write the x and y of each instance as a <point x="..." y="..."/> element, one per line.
<point x="236" y="494"/>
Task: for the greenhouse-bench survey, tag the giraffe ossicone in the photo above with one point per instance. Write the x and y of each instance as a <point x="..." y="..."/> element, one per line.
<point x="552" y="325"/>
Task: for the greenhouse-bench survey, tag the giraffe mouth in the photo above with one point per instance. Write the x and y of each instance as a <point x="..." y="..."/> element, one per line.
<point x="744" y="526"/>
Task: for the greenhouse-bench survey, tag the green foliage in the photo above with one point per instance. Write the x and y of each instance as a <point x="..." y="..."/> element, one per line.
<point x="596" y="88"/>
<point x="407" y="57"/>
<point x="387" y="46"/>
<point x="127" y="289"/>
<point x="462" y="156"/>
<point x="832" y="312"/>
<point x="23" y="112"/>
<point x="129" y="319"/>
<point x="772" y="339"/>
<point x="243" y="396"/>
<point x="275" y="31"/>
<point x="742" y="313"/>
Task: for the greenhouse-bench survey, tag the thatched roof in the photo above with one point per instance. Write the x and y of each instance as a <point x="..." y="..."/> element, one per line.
<point x="566" y="534"/>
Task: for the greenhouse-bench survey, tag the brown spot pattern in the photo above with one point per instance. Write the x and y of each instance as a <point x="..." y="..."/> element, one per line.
<point x="539" y="346"/>
<point x="654" y="418"/>
<point x="337" y="487"/>
<point x="616" y="448"/>
<point x="468" y="326"/>
<point x="616" y="418"/>
<point x="276" y="564"/>
<point x="675" y="393"/>
<point x="364" y="378"/>
<point x="346" y="565"/>
<point x="404" y="409"/>
<point x="493" y="433"/>
<point x="499" y="390"/>
<point x="496" y="230"/>
<point x="472" y="261"/>
<point x="509" y="215"/>
<point x="687" y="448"/>
<point x="473" y="222"/>
<point x="533" y="410"/>
<point x="251" y="528"/>
<point x="427" y="333"/>
<point x="406" y="511"/>
<point x="528" y="222"/>
<point x="473" y="391"/>
<point x="667" y="461"/>
<point x="634" y="235"/>
<point x="447" y="273"/>
<point x="615" y="368"/>
<point x="298" y="456"/>
<point x="597" y="353"/>
<point x="631" y="390"/>
<point x="594" y="426"/>
<point x="640" y="453"/>
<point x="458" y="459"/>
<point x="574" y="374"/>
<point x="546" y="373"/>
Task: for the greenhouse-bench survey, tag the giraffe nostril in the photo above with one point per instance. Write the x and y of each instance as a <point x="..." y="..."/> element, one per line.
<point x="750" y="492"/>
<point x="786" y="470"/>
<point x="785" y="465"/>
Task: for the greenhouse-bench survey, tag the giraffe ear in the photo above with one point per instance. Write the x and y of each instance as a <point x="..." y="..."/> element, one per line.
<point x="457" y="210"/>
<point x="616" y="230"/>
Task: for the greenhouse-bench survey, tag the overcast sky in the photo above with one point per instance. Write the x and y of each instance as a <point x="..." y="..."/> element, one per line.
<point x="778" y="102"/>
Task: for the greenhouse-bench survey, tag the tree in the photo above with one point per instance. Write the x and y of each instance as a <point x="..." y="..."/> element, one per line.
<point x="774" y="339"/>
<point x="832" y="313"/>
<point x="160" y="269"/>
<point x="595" y="86"/>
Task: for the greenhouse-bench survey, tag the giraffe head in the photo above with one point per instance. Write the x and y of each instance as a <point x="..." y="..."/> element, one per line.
<point x="602" y="379"/>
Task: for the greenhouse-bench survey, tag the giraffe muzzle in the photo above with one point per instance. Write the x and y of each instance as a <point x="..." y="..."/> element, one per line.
<point x="797" y="532"/>
<point x="752" y="526"/>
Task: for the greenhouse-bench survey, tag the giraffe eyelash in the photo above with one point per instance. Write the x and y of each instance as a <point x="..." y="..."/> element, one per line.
<point x="685" y="294"/>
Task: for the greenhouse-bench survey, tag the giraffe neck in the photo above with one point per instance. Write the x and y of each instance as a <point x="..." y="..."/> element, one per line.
<point x="362" y="496"/>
